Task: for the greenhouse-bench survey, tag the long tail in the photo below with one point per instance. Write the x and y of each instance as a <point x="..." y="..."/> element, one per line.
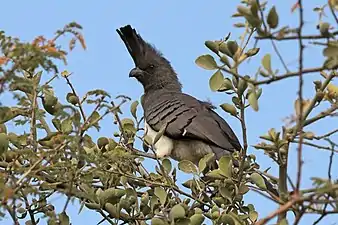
<point x="133" y="42"/>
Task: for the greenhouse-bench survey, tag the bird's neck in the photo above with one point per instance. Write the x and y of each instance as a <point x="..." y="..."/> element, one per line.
<point x="162" y="86"/>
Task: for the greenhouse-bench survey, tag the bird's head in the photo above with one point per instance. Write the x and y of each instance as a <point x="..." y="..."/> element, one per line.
<point x="152" y="70"/>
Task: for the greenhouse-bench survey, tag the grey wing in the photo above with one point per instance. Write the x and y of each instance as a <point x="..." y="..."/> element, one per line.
<point x="188" y="118"/>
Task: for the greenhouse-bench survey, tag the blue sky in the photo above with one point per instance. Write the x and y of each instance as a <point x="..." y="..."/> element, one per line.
<point x="178" y="29"/>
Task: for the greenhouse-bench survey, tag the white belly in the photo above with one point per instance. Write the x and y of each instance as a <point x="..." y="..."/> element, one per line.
<point x="164" y="146"/>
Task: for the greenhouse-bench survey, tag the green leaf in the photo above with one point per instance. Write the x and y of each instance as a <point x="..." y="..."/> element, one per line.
<point x="227" y="219"/>
<point x="67" y="126"/>
<point x="102" y="142"/>
<point x="202" y="164"/>
<point x="263" y="73"/>
<point x="216" y="81"/>
<point x="226" y="193"/>
<point x="272" y="18"/>
<point x="224" y="59"/>
<point x="160" y="133"/>
<point x="324" y="29"/>
<point x="207" y="62"/>
<point x="258" y="180"/>
<point x="252" y="52"/>
<point x="177" y="212"/>
<point x="57" y="124"/>
<point x="4" y="143"/>
<point x="64" y="219"/>
<point x="243" y="189"/>
<point x="3" y="128"/>
<point x="182" y="221"/>
<point x="133" y="108"/>
<point x="224" y="49"/>
<point x="239" y="25"/>
<point x="227" y="85"/>
<point x="225" y="165"/>
<point x="196" y="219"/>
<point x="92" y="205"/>
<point x="241" y="87"/>
<point x="266" y="62"/>
<point x="232" y="46"/>
<point x="187" y="167"/>
<point x="253" y="215"/>
<point x="189" y="183"/>
<point x="243" y="10"/>
<point x="331" y="63"/>
<point x="212" y="45"/>
<point x="166" y="165"/>
<point x="157" y="221"/>
<point x="217" y="174"/>
<point x="161" y="194"/>
<point x="93" y="120"/>
<point x="330" y="51"/>
<point x="72" y="99"/>
<point x="253" y="101"/>
<point x="284" y="221"/>
<point x="229" y="108"/>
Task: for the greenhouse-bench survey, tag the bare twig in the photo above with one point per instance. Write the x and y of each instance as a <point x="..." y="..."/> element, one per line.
<point x="279" y="56"/>
<point x="275" y="78"/>
<point x="326" y="135"/>
<point x="317" y="146"/>
<point x="18" y="183"/>
<point x="33" y="134"/>
<point x="245" y="139"/>
<point x="333" y="13"/>
<point x="300" y="96"/>
<point x="280" y="210"/>
<point x="288" y="38"/>
<point x="74" y="92"/>
<point x="30" y="211"/>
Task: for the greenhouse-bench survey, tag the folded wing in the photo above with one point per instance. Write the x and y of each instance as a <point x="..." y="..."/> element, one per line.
<point x="188" y="118"/>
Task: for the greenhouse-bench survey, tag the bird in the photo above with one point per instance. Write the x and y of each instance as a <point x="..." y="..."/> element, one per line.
<point x="192" y="128"/>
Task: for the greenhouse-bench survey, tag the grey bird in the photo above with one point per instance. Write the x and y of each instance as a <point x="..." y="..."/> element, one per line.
<point x="192" y="127"/>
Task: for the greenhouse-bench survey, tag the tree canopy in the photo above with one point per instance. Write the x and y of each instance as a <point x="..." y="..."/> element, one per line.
<point x="55" y="154"/>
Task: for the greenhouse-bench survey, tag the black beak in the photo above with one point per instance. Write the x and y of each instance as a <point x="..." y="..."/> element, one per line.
<point x="135" y="72"/>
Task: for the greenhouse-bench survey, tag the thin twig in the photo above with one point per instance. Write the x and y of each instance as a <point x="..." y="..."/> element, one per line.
<point x="333" y="13"/>
<point x="18" y="183"/>
<point x="74" y="92"/>
<point x="326" y="135"/>
<point x="245" y="139"/>
<point x="279" y="56"/>
<point x="279" y="211"/>
<point x="262" y="16"/>
<point x="33" y="134"/>
<point x="316" y="146"/>
<point x="288" y="38"/>
<point x="275" y="78"/>
<point x="300" y="95"/>
<point x="30" y="211"/>
<point x="329" y="170"/>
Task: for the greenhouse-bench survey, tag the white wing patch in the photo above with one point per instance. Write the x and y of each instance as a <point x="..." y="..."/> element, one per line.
<point x="164" y="146"/>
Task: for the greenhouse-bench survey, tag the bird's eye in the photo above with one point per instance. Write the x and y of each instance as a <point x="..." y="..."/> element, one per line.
<point x="151" y="66"/>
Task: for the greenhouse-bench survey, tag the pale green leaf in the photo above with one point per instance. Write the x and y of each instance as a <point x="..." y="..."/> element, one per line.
<point x="258" y="180"/>
<point x="207" y="62"/>
<point x="216" y="81"/>
<point x="161" y="194"/>
<point x="187" y="167"/>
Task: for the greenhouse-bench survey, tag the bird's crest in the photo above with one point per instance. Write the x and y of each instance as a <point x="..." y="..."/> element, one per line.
<point x="139" y="49"/>
<point x="158" y="72"/>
